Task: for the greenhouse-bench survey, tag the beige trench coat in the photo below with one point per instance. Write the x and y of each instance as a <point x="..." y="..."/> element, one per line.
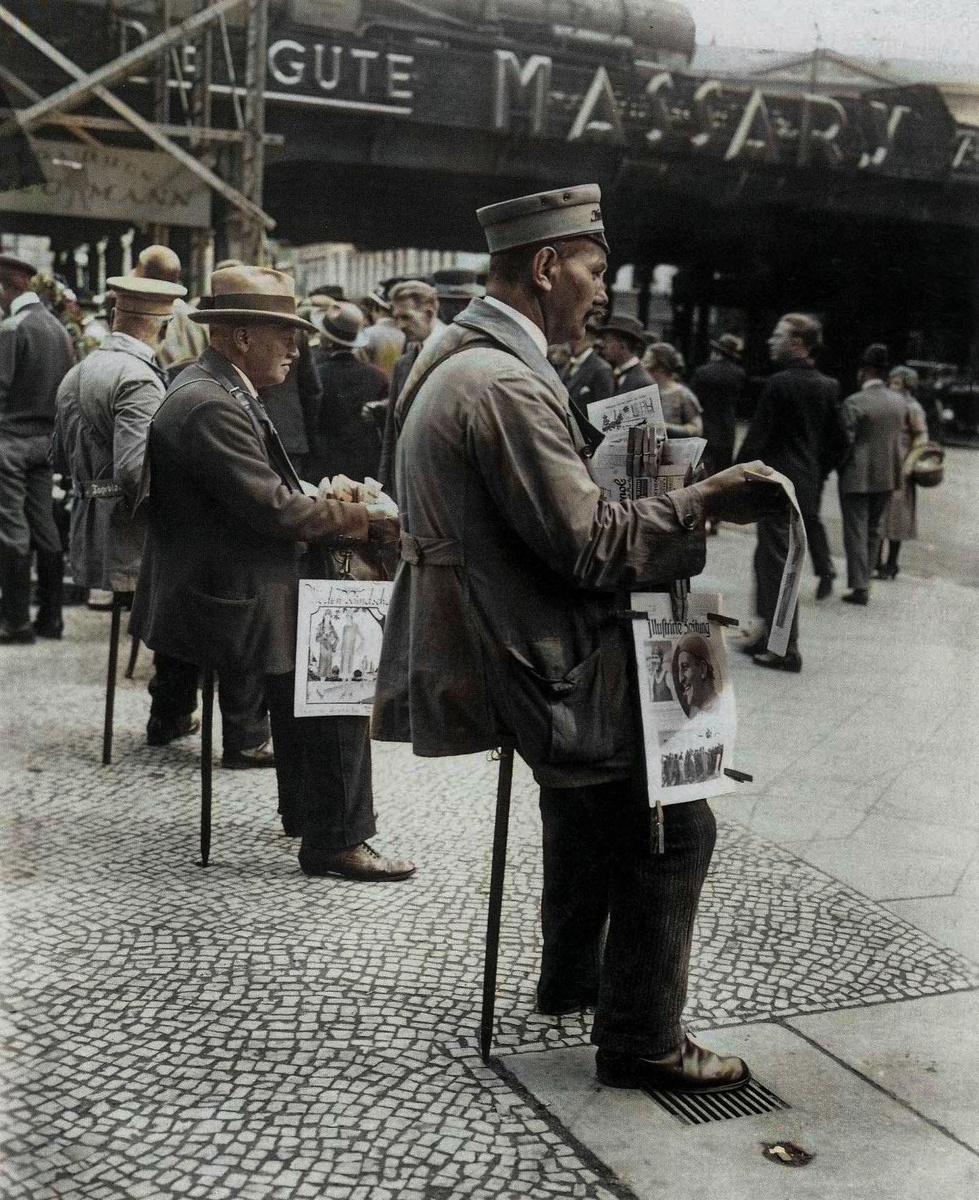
<point x="502" y="621"/>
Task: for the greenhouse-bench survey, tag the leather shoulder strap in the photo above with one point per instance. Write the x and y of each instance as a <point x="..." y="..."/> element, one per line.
<point x="416" y="387"/>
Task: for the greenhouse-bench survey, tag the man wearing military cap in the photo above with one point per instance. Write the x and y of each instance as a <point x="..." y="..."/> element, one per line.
<point x="219" y="582"/>
<point x="105" y="406"/>
<point x="502" y="626"/>
<point x="35" y="354"/>
<point x="621" y="342"/>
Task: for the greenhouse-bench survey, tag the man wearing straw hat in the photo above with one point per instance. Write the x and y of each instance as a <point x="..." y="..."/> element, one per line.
<point x="35" y="355"/>
<point x="219" y="582"/>
<point x="503" y="627"/>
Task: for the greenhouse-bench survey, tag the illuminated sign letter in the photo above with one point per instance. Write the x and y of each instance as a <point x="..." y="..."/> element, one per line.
<point x="510" y="76"/>
<point x="328" y="85"/>
<point x="883" y="123"/>
<point x="295" y="68"/>
<point x="824" y="142"/>
<point x="754" y="135"/>
<point x="599" y="95"/>
<point x="396" y="77"/>
<point x="654" y="89"/>
<point x="366" y="58"/>
<point x="703" y="113"/>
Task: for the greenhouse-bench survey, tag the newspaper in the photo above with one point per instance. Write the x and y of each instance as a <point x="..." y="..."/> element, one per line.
<point x="788" y="592"/>
<point x="619" y="413"/>
<point x="338" y="646"/>
<point x="686" y="699"/>
<point x="628" y="465"/>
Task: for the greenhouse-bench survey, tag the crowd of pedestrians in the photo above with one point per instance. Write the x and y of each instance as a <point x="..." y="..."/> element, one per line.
<point x="219" y="448"/>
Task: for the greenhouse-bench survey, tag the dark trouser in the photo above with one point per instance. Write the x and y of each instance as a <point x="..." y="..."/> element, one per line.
<point x="822" y="563"/>
<point x="863" y="516"/>
<point x="241" y="697"/>
<point x="770" y="555"/>
<point x="598" y="866"/>
<point x="323" y="770"/>
<point x="26" y="523"/>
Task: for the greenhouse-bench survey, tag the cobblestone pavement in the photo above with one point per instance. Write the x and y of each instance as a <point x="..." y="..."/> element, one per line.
<point x="246" y="1032"/>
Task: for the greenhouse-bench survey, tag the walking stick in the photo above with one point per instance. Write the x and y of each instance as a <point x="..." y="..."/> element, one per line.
<point x="133" y="656"/>
<point x="207" y="726"/>
<point x="500" y="831"/>
<point x="118" y="603"/>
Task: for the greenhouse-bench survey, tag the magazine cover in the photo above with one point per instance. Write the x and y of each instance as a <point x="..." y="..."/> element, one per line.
<point x="338" y="646"/>
<point x="686" y="699"/>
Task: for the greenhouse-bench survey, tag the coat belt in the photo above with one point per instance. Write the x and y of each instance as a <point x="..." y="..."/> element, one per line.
<point x="433" y="552"/>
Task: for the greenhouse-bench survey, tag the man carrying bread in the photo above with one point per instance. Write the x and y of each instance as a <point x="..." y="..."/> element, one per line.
<point x="503" y="626"/>
<point x="227" y="517"/>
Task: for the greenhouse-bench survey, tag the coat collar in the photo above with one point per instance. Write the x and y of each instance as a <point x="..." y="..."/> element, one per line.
<point x="125" y="344"/>
<point x="493" y="323"/>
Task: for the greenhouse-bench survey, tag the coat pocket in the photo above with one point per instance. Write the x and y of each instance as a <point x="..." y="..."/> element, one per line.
<point x="226" y="628"/>
<point x="565" y="717"/>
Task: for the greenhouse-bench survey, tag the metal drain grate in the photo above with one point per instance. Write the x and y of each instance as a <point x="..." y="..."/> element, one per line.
<point x="692" y="1109"/>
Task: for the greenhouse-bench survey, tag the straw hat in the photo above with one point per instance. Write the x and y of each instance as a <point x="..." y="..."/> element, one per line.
<point x="251" y="295"/>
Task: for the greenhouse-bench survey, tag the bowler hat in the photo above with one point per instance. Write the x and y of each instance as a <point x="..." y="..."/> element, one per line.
<point x="251" y="296"/>
<point x="340" y="324"/>
<point x="730" y="345"/>
<point x="456" y="283"/>
<point x="876" y="358"/>
<point x="19" y="266"/>
<point x="627" y="328"/>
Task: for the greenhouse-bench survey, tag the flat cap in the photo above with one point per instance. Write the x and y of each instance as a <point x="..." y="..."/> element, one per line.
<point x="544" y="217"/>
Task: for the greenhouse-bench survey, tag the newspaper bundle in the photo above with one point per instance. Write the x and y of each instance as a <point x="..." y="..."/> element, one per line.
<point x="686" y="698"/>
<point x="636" y="459"/>
<point x="338" y="646"/>
<point x="788" y="592"/>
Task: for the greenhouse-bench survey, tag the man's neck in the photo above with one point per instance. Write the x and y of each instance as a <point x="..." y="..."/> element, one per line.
<point x="238" y="370"/>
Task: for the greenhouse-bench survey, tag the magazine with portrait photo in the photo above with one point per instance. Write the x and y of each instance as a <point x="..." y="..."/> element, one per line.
<point x="686" y="698"/>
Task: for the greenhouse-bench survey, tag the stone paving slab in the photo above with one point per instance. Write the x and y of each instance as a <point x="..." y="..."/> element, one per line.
<point x="864" y="1142"/>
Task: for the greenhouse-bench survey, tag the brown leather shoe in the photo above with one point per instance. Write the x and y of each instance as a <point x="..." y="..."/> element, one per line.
<point x="691" y="1068"/>
<point x="358" y="862"/>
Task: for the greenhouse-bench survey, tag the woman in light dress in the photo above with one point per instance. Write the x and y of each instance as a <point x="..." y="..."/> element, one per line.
<point x="901" y="520"/>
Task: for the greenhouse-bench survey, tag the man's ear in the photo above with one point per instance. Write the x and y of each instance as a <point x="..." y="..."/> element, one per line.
<point x="543" y="266"/>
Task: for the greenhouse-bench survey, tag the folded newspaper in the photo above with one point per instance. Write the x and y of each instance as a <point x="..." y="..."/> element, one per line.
<point x="788" y="592"/>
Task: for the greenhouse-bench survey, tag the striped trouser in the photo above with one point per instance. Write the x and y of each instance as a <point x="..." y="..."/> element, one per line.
<point x="603" y="883"/>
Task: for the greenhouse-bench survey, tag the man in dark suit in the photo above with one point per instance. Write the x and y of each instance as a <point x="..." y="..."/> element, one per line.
<point x="347" y="440"/>
<point x="870" y="469"/>
<point x="719" y="384"/>
<point x="35" y="355"/>
<point x="587" y="376"/>
<point x="795" y="430"/>
<point x="220" y="574"/>
<point x="621" y="341"/>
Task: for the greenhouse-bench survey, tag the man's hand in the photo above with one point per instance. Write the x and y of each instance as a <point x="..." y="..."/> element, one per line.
<point x="742" y="494"/>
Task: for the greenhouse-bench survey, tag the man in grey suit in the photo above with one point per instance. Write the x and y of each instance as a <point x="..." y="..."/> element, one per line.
<point x="870" y="469"/>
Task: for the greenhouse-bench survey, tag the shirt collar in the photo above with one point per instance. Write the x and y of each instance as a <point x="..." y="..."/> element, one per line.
<point x="23" y="300"/>
<point x="249" y="386"/>
<point x="533" y="331"/>
<point x="575" y="361"/>
<point x="869" y="383"/>
<point x="627" y="366"/>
